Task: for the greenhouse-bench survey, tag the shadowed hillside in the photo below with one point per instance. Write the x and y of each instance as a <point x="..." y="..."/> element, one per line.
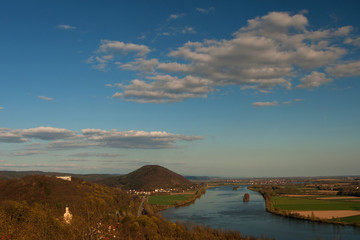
<point x="32" y="208"/>
<point x="51" y="190"/>
<point x="7" y="175"/>
<point x="148" y="178"/>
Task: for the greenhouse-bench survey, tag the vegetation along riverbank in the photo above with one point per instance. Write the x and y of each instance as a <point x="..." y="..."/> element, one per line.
<point x="313" y="202"/>
<point x="162" y="202"/>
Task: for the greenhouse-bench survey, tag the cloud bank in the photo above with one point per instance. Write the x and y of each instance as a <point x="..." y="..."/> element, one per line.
<point x="265" y="104"/>
<point x="278" y="50"/>
<point x="60" y="139"/>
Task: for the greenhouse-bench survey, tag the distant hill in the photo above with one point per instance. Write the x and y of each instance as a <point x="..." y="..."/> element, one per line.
<point x="199" y="178"/>
<point x="148" y="178"/>
<point x="7" y="175"/>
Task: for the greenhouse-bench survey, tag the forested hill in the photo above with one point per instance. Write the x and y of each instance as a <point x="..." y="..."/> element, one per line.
<point x="77" y="194"/>
<point x="32" y="208"/>
<point x="7" y="175"/>
<point x="148" y="178"/>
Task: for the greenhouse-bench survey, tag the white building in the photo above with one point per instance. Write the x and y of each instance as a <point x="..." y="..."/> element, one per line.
<point x="66" y="178"/>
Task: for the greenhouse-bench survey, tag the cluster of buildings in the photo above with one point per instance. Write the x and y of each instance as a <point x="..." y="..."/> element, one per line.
<point x="155" y="191"/>
<point x="159" y="191"/>
<point x="270" y="182"/>
<point x="264" y="181"/>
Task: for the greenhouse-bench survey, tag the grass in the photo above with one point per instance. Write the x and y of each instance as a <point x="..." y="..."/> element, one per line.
<point x="168" y="199"/>
<point x="352" y="219"/>
<point x="305" y="204"/>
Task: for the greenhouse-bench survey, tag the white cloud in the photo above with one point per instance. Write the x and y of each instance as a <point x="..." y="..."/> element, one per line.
<point x="75" y="160"/>
<point x="295" y="100"/>
<point x="343" y="31"/>
<point x="187" y="30"/>
<point x="45" y="167"/>
<point x="175" y="16"/>
<point x="173" y="31"/>
<point x="92" y="154"/>
<point x="63" y="139"/>
<point x="29" y="152"/>
<point x="274" y="24"/>
<point x="119" y="85"/>
<point x="205" y="10"/>
<point x="165" y="88"/>
<point x="47" y="133"/>
<point x="174" y="67"/>
<point x="353" y="41"/>
<point x="111" y="47"/>
<point x="107" y="57"/>
<point x="100" y="67"/>
<point x="313" y="80"/>
<point x="265" y="104"/>
<point x="140" y="64"/>
<point x="42" y="133"/>
<point x="349" y="69"/>
<point x="11" y="136"/>
<point x="135" y="139"/>
<point x="271" y="51"/>
<point x="66" y="27"/>
<point x="45" y="98"/>
<point x="108" y="51"/>
<point x="73" y="144"/>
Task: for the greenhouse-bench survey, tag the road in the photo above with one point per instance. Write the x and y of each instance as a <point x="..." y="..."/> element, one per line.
<point x="141" y="207"/>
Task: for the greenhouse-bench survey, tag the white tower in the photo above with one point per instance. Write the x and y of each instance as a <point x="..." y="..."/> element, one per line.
<point x="67" y="216"/>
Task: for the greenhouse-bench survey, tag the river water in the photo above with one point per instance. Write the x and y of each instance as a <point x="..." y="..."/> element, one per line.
<point x="222" y="207"/>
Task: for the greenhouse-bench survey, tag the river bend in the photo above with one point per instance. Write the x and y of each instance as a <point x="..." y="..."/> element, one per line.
<point x="222" y="207"/>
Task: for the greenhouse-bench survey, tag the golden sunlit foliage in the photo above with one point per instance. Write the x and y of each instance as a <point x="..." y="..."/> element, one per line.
<point x="34" y="210"/>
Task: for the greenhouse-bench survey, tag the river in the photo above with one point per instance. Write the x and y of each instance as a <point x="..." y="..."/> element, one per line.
<point x="222" y="207"/>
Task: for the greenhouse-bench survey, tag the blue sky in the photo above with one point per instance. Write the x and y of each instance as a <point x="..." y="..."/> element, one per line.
<point x="240" y="89"/>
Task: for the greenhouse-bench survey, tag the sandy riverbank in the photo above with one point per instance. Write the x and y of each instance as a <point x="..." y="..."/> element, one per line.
<point x="328" y="214"/>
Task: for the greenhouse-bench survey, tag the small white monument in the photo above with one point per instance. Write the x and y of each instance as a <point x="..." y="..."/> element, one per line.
<point x="67" y="216"/>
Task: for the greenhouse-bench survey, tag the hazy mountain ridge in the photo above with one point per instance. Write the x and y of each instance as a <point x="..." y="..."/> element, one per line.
<point x="6" y="175"/>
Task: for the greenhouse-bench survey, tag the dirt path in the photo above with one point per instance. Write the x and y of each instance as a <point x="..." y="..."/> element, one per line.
<point x="303" y="195"/>
<point x="329" y="214"/>
<point x="141" y="207"/>
<point x="343" y="197"/>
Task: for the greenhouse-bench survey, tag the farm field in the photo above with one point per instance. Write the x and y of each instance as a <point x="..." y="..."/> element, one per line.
<point x="313" y="204"/>
<point x="341" y="209"/>
<point x="351" y="219"/>
<point x="168" y="199"/>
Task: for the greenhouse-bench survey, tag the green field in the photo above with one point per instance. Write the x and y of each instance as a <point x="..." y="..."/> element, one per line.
<point x="352" y="219"/>
<point x="305" y="204"/>
<point x="168" y="199"/>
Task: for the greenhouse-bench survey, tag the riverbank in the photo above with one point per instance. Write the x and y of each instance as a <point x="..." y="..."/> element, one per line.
<point x="340" y="217"/>
<point x="161" y="202"/>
